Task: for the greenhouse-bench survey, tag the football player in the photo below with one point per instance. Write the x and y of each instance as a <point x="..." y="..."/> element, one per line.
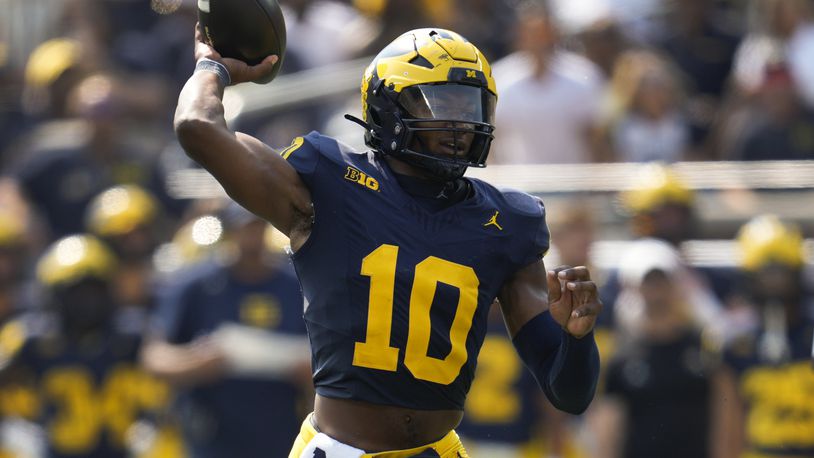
<point x="399" y="255"/>
<point x="73" y="369"/>
<point x="765" y="403"/>
<point x="127" y="219"/>
<point x="229" y="337"/>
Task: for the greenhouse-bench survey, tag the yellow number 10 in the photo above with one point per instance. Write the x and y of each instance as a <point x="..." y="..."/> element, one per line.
<point x="376" y="353"/>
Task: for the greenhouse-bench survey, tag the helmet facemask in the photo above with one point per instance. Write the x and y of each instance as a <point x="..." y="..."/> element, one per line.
<point x="428" y="99"/>
<point x="448" y="127"/>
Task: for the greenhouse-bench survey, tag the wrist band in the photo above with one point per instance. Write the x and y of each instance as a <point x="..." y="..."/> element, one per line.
<point x="209" y="65"/>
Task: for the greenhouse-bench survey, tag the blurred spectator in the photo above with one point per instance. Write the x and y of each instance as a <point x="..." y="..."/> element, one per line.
<point x="323" y="32"/>
<point x="395" y="17"/>
<point x="645" y="120"/>
<point x="792" y="21"/>
<point x="71" y="367"/>
<point x="700" y="44"/>
<point x="657" y="395"/>
<point x="602" y="42"/>
<point x="488" y="23"/>
<point x="754" y="415"/>
<point x="64" y="165"/>
<point x="549" y="98"/>
<point x="128" y="219"/>
<point x="703" y="47"/>
<point x="784" y="128"/>
<point x="231" y="338"/>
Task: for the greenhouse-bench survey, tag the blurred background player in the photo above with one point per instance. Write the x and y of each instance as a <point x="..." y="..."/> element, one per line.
<point x="15" y="250"/>
<point x="127" y="218"/>
<point x="72" y="369"/>
<point x="764" y="402"/>
<point x="230" y="337"/>
<point x="656" y="399"/>
<point x="63" y="164"/>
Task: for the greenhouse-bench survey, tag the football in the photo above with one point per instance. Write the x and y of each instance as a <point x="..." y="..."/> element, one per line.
<point x="249" y="30"/>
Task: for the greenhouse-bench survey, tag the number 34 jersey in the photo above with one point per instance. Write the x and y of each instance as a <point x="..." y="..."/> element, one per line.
<point x="397" y="296"/>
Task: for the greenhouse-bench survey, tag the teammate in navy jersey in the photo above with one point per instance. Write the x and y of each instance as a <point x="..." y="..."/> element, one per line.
<point x="211" y="325"/>
<point x="71" y="367"/>
<point x="764" y="397"/>
<point x="398" y="255"/>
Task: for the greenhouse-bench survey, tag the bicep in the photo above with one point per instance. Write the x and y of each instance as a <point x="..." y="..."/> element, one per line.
<point x="524" y="296"/>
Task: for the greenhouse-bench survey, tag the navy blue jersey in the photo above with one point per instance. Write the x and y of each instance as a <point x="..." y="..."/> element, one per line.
<point x="505" y="403"/>
<point x="779" y="397"/>
<point x="235" y="416"/>
<point x="397" y="297"/>
<point x="85" y="394"/>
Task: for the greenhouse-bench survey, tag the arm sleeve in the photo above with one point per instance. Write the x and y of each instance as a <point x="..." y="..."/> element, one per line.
<point x="566" y="368"/>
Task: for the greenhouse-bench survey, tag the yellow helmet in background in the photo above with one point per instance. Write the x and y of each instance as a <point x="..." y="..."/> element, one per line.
<point x="50" y="60"/>
<point x="12" y="229"/>
<point x="119" y="210"/>
<point x="656" y="186"/>
<point x="430" y="80"/>
<point x="74" y="258"/>
<point x="766" y="240"/>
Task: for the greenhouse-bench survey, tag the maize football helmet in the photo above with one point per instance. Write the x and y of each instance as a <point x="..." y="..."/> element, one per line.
<point x="428" y="99"/>
<point x="767" y="240"/>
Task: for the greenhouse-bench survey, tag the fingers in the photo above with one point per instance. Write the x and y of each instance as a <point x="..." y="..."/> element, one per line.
<point x="554" y="289"/>
<point x="262" y="69"/>
<point x="568" y="273"/>
<point x="590" y="309"/>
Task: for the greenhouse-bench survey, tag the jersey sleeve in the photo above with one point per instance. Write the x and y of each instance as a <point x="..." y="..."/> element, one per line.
<point x="534" y="242"/>
<point x="304" y="154"/>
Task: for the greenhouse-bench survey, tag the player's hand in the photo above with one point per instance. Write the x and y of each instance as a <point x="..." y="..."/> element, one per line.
<point x="239" y="71"/>
<point x="573" y="299"/>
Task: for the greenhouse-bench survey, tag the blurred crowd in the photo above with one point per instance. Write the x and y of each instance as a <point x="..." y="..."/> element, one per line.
<point x="138" y="323"/>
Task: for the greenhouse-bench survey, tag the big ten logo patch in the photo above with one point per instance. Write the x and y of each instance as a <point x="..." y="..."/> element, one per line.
<point x="260" y="311"/>
<point x="360" y="177"/>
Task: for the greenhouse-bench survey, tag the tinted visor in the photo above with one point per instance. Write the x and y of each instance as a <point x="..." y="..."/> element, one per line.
<point x="450" y="102"/>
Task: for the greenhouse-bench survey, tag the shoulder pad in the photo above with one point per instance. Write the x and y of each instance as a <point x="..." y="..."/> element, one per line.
<point x="523" y="203"/>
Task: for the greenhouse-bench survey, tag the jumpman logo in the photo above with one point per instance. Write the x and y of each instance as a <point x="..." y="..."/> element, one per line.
<point x="493" y="221"/>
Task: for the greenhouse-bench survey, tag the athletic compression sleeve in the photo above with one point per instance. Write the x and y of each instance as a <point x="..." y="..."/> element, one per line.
<point x="566" y="368"/>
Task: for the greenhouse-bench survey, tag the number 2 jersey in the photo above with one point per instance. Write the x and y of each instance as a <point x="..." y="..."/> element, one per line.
<point x="397" y="296"/>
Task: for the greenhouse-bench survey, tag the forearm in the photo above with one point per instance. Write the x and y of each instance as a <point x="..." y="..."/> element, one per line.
<point x="566" y="368"/>
<point x="574" y="374"/>
<point x="200" y="113"/>
<point x="181" y="365"/>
